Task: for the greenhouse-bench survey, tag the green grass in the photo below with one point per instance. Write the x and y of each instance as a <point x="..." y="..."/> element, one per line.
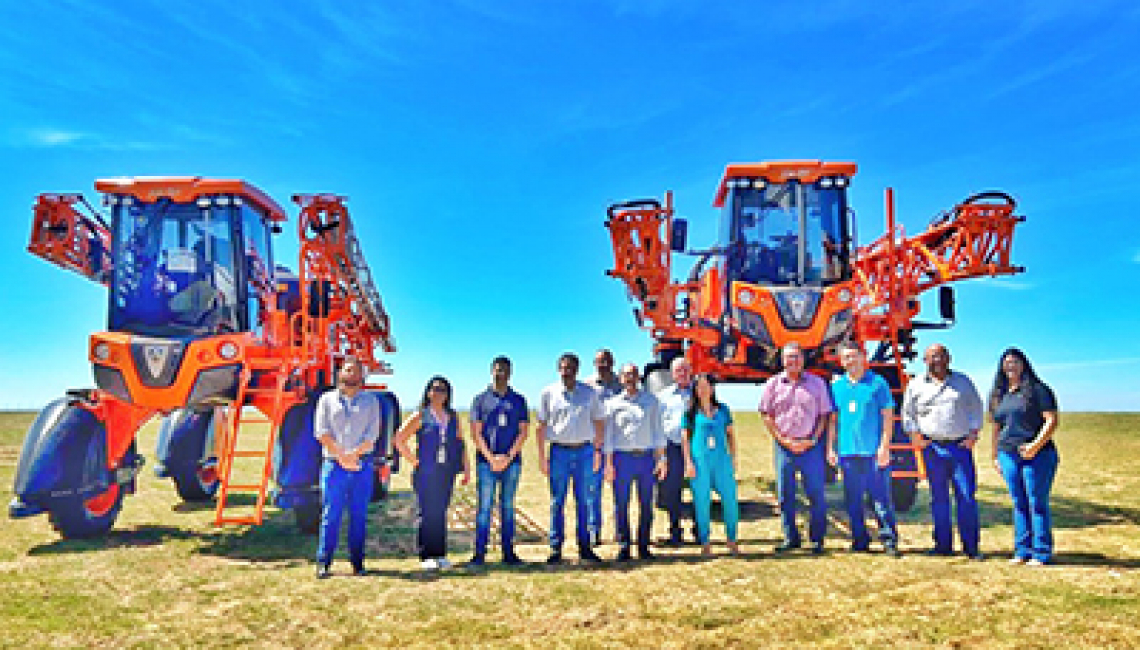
<point x="166" y="577"/>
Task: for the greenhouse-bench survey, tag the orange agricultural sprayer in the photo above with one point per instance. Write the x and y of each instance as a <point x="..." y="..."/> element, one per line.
<point x="786" y="268"/>
<point x="208" y="333"/>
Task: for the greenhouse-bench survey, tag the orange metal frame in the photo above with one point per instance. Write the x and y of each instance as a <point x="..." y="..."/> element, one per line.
<point x="296" y="351"/>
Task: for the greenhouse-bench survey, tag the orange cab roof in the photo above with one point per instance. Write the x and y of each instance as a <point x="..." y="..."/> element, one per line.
<point x="184" y="189"/>
<point x="778" y="171"/>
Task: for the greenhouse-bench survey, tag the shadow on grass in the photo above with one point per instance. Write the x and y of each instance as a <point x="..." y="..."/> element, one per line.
<point x="1094" y="560"/>
<point x="140" y="536"/>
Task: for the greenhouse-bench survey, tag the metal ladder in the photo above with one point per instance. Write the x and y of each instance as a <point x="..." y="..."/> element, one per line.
<point x="235" y="429"/>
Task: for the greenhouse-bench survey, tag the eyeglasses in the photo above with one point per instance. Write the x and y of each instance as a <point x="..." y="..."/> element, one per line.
<point x="438" y="389"/>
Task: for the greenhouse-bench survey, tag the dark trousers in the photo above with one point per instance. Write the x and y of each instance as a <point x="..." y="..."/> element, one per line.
<point x="949" y="464"/>
<point x="631" y="468"/>
<point x="812" y="467"/>
<point x="433" y="496"/>
<point x="669" y="490"/>
<point x="862" y="476"/>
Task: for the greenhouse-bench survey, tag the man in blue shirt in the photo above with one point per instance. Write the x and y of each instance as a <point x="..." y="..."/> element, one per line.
<point x="570" y="417"/>
<point x="674" y="402"/>
<point x="499" y="422"/>
<point x="859" y="439"/>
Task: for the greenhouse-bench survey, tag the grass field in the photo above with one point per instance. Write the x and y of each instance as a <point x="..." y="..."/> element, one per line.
<point x="166" y="577"/>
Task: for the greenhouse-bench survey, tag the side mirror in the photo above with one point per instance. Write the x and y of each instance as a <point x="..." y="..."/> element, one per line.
<point x="679" y="235"/>
<point x="946" y="303"/>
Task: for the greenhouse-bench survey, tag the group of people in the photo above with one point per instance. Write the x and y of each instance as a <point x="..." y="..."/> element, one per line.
<point x="611" y="429"/>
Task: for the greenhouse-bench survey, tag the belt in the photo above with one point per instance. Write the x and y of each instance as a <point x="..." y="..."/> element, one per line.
<point x="570" y="445"/>
<point x="947" y="440"/>
<point x="635" y="452"/>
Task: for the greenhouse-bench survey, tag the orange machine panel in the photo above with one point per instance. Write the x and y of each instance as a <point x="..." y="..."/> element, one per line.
<point x="187" y="188"/>
<point x="806" y="171"/>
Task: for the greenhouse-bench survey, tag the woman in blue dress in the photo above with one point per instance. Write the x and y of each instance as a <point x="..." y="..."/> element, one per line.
<point x="1024" y="412"/>
<point x="439" y="456"/>
<point x="710" y="461"/>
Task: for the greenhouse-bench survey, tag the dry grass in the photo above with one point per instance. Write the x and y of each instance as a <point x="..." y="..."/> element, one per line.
<point x="166" y="577"/>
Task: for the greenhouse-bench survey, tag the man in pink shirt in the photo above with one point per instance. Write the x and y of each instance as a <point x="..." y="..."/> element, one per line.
<point x="795" y="406"/>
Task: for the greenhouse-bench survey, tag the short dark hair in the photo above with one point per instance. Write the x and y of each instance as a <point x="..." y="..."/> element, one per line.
<point x="501" y="360"/>
<point x="570" y="356"/>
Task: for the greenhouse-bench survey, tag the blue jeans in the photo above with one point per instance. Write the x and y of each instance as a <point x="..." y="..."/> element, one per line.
<point x="340" y="488"/>
<point x="630" y="468"/>
<point x="597" y="479"/>
<point x="568" y="463"/>
<point x="1030" y="482"/>
<point x="507" y="482"/>
<point x="812" y="466"/>
<point x="950" y="464"/>
<point x="862" y="475"/>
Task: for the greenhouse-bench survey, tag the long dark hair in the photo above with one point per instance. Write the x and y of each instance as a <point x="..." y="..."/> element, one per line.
<point x="1001" y="381"/>
<point x="690" y="421"/>
<point x="425" y="401"/>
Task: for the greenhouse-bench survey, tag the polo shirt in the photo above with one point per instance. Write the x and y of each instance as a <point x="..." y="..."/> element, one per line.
<point x="859" y="406"/>
<point x="569" y="415"/>
<point x="605" y="389"/>
<point x="633" y="423"/>
<point x="944" y="410"/>
<point x="500" y="415"/>
<point x="795" y="404"/>
<point x="350" y="421"/>
<point x="1021" y="414"/>
<point x="674" y="402"/>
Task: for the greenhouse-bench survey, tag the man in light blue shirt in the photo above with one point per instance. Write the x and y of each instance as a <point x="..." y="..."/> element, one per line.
<point x="570" y="417"/>
<point x="674" y="402"/>
<point x="347" y="424"/>
<point x="635" y="453"/>
<point x="859" y="439"/>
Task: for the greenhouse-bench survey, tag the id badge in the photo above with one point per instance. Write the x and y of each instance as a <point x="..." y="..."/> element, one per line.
<point x="852" y="407"/>
<point x="712" y="442"/>
<point x="441" y="455"/>
<point x="502" y="419"/>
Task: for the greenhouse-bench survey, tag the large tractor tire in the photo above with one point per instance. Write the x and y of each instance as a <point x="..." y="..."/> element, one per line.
<point x="904" y="491"/>
<point x="185" y="440"/>
<point x="78" y="518"/>
<point x="307" y="516"/>
<point x="389" y="422"/>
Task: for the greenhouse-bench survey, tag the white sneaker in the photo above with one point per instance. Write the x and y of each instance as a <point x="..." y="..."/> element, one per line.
<point x="443" y="563"/>
<point x="1016" y="560"/>
<point x="429" y="564"/>
<point x="1034" y="562"/>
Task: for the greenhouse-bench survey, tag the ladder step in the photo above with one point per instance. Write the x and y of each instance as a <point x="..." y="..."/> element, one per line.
<point x="253" y="488"/>
<point x="248" y="454"/>
<point x="237" y="520"/>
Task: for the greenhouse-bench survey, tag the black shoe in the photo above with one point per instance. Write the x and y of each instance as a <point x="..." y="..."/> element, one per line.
<point x="817" y="548"/>
<point x="323" y="571"/>
<point x="476" y="560"/>
<point x="590" y="556"/>
<point x="358" y="570"/>
<point x="624" y="555"/>
<point x="671" y="542"/>
<point x="555" y="556"/>
<point x="938" y="552"/>
<point x="976" y="556"/>
<point x="892" y="551"/>
<point x="860" y="549"/>
<point x="510" y="559"/>
<point x="784" y="547"/>
<point x="644" y="553"/>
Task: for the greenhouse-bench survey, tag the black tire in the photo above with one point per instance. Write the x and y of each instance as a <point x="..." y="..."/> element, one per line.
<point x="904" y="491"/>
<point x="308" y="518"/>
<point x="195" y="484"/>
<point x="79" y="518"/>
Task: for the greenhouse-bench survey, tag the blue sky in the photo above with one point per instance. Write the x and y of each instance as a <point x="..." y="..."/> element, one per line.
<point x="480" y="143"/>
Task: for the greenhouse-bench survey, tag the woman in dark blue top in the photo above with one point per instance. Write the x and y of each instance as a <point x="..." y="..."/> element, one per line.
<point x="438" y="458"/>
<point x="1024" y="412"/>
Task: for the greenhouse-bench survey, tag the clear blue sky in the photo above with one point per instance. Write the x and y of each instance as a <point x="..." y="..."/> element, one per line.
<point x="480" y="143"/>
